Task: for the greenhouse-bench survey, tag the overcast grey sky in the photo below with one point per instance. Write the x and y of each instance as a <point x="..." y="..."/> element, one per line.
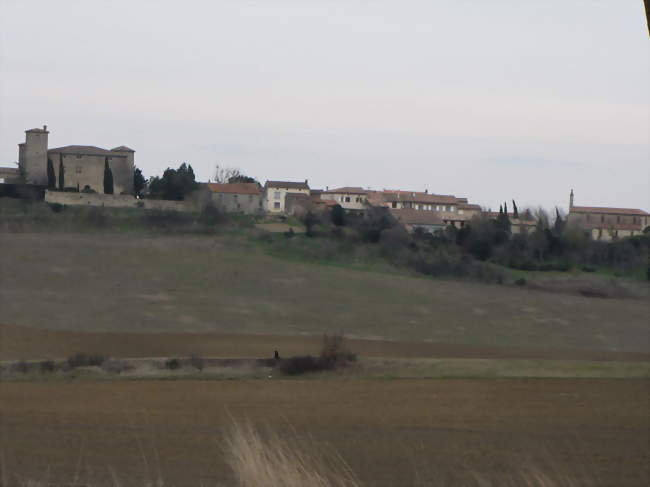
<point x="492" y="100"/>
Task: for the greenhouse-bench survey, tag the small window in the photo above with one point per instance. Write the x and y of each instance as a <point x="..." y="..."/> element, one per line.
<point x="602" y="218"/>
<point x="276" y="205"/>
<point x="250" y="198"/>
<point x="394" y="204"/>
<point x="618" y="219"/>
<point x="276" y="195"/>
<point x="347" y="199"/>
<point x="77" y="169"/>
<point x="78" y="156"/>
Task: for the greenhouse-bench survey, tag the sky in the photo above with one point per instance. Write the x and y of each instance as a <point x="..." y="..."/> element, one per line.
<point x="490" y="100"/>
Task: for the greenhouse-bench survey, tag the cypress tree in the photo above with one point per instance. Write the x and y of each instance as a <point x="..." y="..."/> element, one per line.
<point x="108" y="178"/>
<point x="51" y="177"/>
<point x="505" y="208"/>
<point x="515" y="212"/>
<point x="61" y="173"/>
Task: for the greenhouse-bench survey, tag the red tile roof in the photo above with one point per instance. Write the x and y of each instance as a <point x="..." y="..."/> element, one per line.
<point x="608" y="211"/>
<point x="346" y="189"/>
<point x="286" y="184"/>
<point x="83" y="150"/>
<point x="235" y="188"/>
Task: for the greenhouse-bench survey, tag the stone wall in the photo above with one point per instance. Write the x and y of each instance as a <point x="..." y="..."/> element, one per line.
<point x="116" y="201"/>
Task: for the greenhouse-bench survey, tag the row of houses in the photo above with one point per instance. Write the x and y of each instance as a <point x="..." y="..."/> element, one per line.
<point x="83" y="168"/>
<point x="415" y="210"/>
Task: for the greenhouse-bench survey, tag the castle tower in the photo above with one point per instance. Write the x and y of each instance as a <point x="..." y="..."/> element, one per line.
<point x="571" y="200"/>
<point x="123" y="168"/>
<point x="32" y="156"/>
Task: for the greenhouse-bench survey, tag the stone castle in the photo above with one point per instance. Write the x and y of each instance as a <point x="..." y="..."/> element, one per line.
<point x="82" y="166"/>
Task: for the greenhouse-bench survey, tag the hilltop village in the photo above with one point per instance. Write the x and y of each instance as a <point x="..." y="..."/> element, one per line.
<point x="89" y="175"/>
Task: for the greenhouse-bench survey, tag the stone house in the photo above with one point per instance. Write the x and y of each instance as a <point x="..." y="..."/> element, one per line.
<point x="237" y="197"/>
<point x="428" y="221"/>
<point x="275" y="192"/>
<point x="82" y="165"/>
<point x="350" y="198"/>
<point x="608" y="223"/>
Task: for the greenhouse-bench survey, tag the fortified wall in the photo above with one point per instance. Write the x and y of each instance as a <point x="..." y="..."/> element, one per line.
<point x="116" y="201"/>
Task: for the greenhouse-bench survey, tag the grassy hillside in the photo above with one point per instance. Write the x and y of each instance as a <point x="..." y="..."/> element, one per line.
<point x="124" y="283"/>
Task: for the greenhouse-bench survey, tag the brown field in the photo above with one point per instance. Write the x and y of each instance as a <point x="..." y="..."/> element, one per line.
<point x="143" y="296"/>
<point x="390" y="432"/>
<point x="25" y="343"/>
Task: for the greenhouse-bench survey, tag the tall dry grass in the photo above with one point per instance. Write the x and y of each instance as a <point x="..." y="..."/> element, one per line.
<point x="268" y="460"/>
<point x="263" y="458"/>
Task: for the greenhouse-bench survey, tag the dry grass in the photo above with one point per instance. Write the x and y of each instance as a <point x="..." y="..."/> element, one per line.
<point x="129" y="283"/>
<point x="270" y="460"/>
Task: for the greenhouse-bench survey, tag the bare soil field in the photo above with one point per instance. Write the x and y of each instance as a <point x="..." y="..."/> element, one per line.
<point x="27" y="343"/>
<point x="145" y="284"/>
<point x="392" y="433"/>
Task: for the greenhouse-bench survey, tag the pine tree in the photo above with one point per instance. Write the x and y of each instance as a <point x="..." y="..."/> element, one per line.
<point x="61" y="173"/>
<point x="51" y="177"/>
<point x="108" y="178"/>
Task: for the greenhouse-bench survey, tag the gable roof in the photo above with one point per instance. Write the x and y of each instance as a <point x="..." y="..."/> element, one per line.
<point x="235" y="188"/>
<point x="608" y="211"/>
<point x="347" y="189"/>
<point x="417" y="217"/>
<point x="287" y="184"/>
<point x="418" y="197"/>
<point x="84" y="150"/>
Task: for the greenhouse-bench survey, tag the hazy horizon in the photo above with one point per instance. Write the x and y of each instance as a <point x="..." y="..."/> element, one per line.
<point x="485" y="101"/>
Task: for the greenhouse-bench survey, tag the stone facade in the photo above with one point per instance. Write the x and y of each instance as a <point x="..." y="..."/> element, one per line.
<point x="608" y="223"/>
<point x="116" y="201"/>
<point x="237" y="197"/>
<point x="275" y="193"/>
<point x="82" y="165"/>
<point x="350" y="198"/>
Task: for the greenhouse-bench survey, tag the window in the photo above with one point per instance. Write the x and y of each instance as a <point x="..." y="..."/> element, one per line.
<point x="276" y="205"/>
<point x="77" y="169"/>
<point x="602" y="218"/>
<point x="78" y="156"/>
<point x="276" y="195"/>
<point x="618" y="219"/>
<point x="394" y="204"/>
<point x="250" y="198"/>
<point x="347" y="199"/>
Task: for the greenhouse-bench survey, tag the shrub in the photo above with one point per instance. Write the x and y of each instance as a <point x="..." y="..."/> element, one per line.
<point x="172" y="364"/>
<point x="334" y="354"/>
<point x="85" y="360"/>
<point x="56" y="207"/>
<point x="20" y="367"/>
<point x="300" y="365"/>
<point x="114" y="366"/>
<point x="47" y="366"/>
<point x="197" y="362"/>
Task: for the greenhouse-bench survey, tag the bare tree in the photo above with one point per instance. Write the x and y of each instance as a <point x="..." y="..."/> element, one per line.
<point x="224" y="174"/>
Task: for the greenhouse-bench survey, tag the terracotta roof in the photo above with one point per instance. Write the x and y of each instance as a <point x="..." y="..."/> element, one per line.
<point x="469" y="206"/>
<point x="417" y="217"/>
<point x="607" y="211"/>
<point x="84" y="150"/>
<point x="286" y="184"/>
<point x="346" y="189"/>
<point x="235" y="188"/>
<point x="122" y="148"/>
<point x="419" y="197"/>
